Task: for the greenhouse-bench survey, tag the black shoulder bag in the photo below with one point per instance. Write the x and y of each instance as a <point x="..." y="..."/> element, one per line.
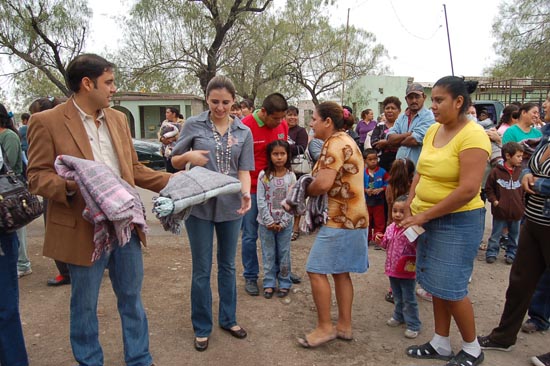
<point x="18" y="207"/>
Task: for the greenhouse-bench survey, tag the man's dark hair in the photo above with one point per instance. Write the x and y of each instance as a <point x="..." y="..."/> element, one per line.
<point x="25" y="117"/>
<point x="86" y="65"/>
<point x="274" y="103"/>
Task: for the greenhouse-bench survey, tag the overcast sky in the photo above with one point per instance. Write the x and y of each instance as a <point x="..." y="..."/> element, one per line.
<point x="413" y="32"/>
<point x="415" y="35"/>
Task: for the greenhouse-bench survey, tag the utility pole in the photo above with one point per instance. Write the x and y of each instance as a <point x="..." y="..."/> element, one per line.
<point x="345" y="60"/>
<point x="449" y="40"/>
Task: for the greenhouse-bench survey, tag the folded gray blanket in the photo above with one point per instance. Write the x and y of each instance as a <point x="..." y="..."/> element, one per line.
<point x="187" y="189"/>
<point x="313" y="208"/>
<point x="295" y="201"/>
<point x="112" y="205"/>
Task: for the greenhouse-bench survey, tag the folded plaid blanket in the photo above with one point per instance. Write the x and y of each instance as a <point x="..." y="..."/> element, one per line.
<point x="187" y="189"/>
<point x="295" y="201"/>
<point x="313" y="208"/>
<point x="112" y="205"/>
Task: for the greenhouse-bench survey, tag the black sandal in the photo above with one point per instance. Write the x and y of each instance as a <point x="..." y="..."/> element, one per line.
<point x="463" y="358"/>
<point x="283" y="292"/>
<point x="268" y="294"/>
<point x="426" y="351"/>
<point x="295" y="236"/>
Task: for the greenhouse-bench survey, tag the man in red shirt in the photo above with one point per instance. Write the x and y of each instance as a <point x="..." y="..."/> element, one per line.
<point x="267" y="125"/>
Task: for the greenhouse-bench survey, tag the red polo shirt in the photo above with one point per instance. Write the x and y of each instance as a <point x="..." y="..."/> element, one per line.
<point x="262" y="136"/>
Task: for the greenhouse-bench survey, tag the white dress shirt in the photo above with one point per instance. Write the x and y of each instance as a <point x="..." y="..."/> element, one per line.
<point x="100" y="139"/>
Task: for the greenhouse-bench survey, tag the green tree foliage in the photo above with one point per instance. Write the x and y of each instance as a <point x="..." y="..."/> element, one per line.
<point x="42" y="35"/>
<point x="522" y="30"/>
<point x="176" y="36"/>
<point x="258" y="63"/>
<point x="290" y="48"/>
<point x="300" y="54"/>
<point x="30" y="85"/>
<point x="316" y="50"/>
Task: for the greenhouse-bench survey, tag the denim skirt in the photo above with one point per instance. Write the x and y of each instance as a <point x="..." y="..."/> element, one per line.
<point x="446" y="252"/>
<point x="339" y="251"/>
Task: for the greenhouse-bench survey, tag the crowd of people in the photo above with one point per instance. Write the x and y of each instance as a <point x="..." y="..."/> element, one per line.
<point x="409" y="183"/>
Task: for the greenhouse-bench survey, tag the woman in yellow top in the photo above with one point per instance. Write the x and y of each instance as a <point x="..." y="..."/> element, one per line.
<point x="341" y="244"/>
<point x="444" y="200"/>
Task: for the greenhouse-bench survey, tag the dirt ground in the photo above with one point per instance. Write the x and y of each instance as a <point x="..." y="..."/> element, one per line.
<point x="272" y="325"/>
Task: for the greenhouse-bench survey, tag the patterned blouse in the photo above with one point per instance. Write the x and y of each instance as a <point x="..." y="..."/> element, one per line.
<point x="346" y="201"/>
<point x="271" y="192"/>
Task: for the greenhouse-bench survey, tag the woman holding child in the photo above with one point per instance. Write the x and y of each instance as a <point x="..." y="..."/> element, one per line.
<point x="444" y="200"/>
<point x="341" y="244"/>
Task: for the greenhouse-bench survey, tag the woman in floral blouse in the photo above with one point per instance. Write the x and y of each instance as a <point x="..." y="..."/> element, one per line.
<point x="341" y="244"/>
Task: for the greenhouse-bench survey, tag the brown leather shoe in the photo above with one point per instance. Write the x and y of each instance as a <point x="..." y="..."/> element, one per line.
<point x="239" y="333"/>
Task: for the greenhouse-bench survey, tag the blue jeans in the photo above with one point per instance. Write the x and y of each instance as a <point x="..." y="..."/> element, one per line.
<point x="276" y="256"/>
<point x="201" y="240"/>
<point x="406" y="307"/>
<point x="248" y="243"/>
<point x="539" y="310"/>
<point x="125" y="266"/>
<point x="12" y="343"/>
<point x="513" y="238"/>
<point x="23" y="262"/>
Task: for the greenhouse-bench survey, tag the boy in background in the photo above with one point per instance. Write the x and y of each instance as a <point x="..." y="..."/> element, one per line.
<point x="504" y="192"/>
<point x="376" y="181"/>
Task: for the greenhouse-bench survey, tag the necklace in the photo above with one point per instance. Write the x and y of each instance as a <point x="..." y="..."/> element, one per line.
<point x="223" y="156"/>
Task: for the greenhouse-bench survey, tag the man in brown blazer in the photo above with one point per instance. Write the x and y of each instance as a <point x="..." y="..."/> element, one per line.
<point x="85" y="127"/>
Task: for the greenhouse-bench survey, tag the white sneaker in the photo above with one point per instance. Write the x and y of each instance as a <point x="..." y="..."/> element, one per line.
<point x="393" y="323"/>
<point x="24" y="273"/>
<point x="411" y="333"/>
<point x="423" y="294"/>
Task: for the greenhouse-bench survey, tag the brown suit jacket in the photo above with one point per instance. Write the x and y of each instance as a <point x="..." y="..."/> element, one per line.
<point x="60" y="131"/>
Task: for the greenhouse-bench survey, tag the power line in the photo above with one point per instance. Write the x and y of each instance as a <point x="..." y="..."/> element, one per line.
<point x="360" y="5"/>
<point x="409" y="32"/>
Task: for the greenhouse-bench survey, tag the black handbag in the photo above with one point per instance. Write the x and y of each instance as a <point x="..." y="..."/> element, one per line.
<point x="18" y="207"/>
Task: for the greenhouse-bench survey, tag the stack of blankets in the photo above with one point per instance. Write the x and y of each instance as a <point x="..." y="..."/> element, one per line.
<point x="113" y="206"/>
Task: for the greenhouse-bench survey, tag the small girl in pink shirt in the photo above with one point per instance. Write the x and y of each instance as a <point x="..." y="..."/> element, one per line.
<point x="401" y="269"/>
